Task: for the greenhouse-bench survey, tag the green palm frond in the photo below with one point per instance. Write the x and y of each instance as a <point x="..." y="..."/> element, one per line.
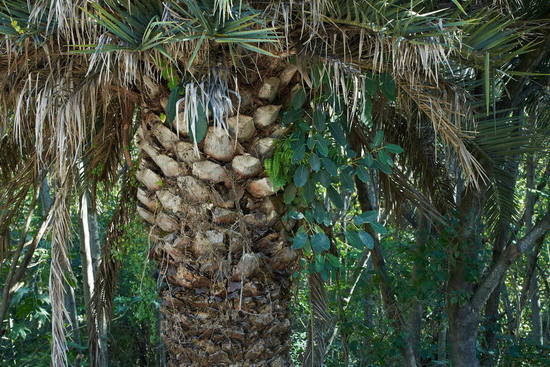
<point x="500" y="142"/>
<point x="16" y="20"/>
<point x="145" y="25"/>
<point x="136" y="27"/>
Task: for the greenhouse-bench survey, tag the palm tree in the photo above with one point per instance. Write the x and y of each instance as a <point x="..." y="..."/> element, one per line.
<point x="209" y="84"/>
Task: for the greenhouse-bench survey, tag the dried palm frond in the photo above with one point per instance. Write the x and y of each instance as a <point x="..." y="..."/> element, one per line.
<point x="320" y="323"/>
<point x="60" y="275"/>
<point x="446" y="117"/>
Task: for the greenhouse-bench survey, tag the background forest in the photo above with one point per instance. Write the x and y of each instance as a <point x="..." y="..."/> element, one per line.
<point x="336" y="183"/>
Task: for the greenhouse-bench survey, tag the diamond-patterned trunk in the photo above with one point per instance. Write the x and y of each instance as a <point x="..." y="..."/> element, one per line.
<point x="219" y="239"/>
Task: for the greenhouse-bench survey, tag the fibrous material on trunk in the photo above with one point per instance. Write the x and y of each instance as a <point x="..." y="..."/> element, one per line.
<point x="219" y="238"/>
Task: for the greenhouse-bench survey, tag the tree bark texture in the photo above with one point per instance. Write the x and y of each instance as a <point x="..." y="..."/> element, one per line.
<point x="463" y="317"/>
<point x="463" y="323"/>
<point x="219" y="239"/>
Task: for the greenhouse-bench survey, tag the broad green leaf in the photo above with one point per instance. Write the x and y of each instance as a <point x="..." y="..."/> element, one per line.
<point x="388" y="86"/>
<point x="371" y="84"/>
<point x="333" y="260"/>
<point x="385" y="158"/>
<point x="346" y="178"/>
<point x="378" y="138"/>
<point x="382" y="167"/>
<point x="366" y="113"/>
<point x="301" y="175"/>
<point x="304" y="127"/>
<point x="295" y="215"/>
<point x="330" y="166"/>
<point x="289" y="194"/>
<point x="291" y="116"/>
<point x="324" y="178"/>
<point x="319" y="119"/>
<point x="366" y="217"/>
<point x="308" y="191"/>
<point x="393" y="148"/>
<point x="335" y="197"/>
<point x="320" y="242"/>
<point x="298" y="99"/>
<point x="314" y="162"/>
<point x="368" y="161"/>
<point x="353" y="239"/>
<point x="300" y="240"/>
<point x="322" y="146"/>
<point x="298" y="151"/>
<point x="362" y="173"/>
<point x="319" y="264"/>
<point x="366" y="239"/>
<point x="171" y="105"/>
<point x="378" y="228"/>
<point x="320" y="215"/>
<point x="351" y="153"/>
<point x="338" y="133"/>
<point x="201" y="124"/>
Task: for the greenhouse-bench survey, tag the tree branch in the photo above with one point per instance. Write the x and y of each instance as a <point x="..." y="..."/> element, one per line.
<point x="506" y="259"/>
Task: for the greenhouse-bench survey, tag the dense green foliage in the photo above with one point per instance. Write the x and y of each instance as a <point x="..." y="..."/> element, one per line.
<point x="364" y="335"/>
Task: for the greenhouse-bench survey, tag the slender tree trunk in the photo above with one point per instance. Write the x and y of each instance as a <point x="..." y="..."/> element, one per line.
<point x="492" y="324"/>
<point x="220" y="242"/>
<point x="370" y="301"/>
<point x="11" y="276"/>
<point x="492" y="319"/>
<point x="442" y="343"/>
<point x="389" y="300"/>
<point x="507" y="304"/>
<point x="536" y="319"/>
<point x="414" y="319"/>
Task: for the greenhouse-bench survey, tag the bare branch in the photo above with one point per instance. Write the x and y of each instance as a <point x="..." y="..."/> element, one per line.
<point x="506" y="259"/>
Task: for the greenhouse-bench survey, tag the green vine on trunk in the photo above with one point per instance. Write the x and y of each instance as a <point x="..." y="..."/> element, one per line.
<point x="317" y="168"/>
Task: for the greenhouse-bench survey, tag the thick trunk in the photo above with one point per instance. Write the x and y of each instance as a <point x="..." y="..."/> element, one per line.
<point x="463" y="323"/>
<point x="219" y="239"/>
<point x="463" y="317"/>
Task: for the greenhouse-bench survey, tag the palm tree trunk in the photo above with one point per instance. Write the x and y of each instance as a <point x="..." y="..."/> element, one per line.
<point x="219" y="239"/>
